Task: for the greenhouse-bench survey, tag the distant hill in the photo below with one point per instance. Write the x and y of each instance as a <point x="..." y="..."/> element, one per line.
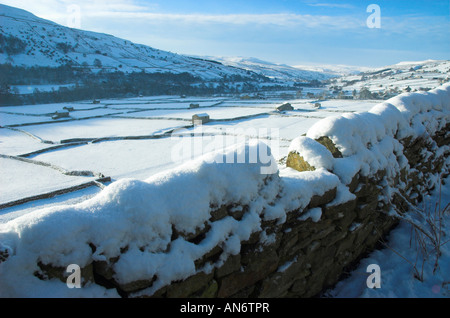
<point x="26" y="40"/>
<point x="401" y="77"/>
<point x="281" y="72"/>
<point x="335" y="70"/>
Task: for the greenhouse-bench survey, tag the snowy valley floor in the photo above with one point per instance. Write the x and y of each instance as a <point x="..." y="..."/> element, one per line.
<point x="137" y="137"/>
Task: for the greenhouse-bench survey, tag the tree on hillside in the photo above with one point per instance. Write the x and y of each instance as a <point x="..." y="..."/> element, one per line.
<point x="364" y="93"/>
<point x="97" y="63"/>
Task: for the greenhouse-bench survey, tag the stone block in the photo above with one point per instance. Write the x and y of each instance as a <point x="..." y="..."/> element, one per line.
<point x="136" y="285"/>
<point x="189" y="286"/>
<point x="49" y="271"/>
<point x="211" y="256"/>
<point x="288" y="246"/>
<point x="297" y="162"/>
<point x="329" y="144"/>
<point x="345" y="245"/>
<point x="259" y="266"/>
<point x="364" y="210"/>
<point x="354" y="183"/>
<point x="211" y="290"/>
<point x="336" y="236"/>
<point x="321" y="258"/>
<point x="232" y="264"/>
<point x="278" y="283"/>
<point x="219" y="213"/>
<point x="320" y="200"/>
<point x="336" y="212"/>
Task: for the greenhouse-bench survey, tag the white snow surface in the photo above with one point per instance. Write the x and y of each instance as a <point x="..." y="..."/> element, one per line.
<point x="40" y="180"/>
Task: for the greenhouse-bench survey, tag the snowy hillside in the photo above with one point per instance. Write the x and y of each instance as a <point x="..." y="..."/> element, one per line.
<point x="281" y="72"/>
<point x="26" y="40"/>
<point x="334" y="70"/>
<point x="394" y="79"/>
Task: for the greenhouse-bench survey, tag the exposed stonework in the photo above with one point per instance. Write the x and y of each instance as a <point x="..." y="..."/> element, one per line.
<point x="297" y="162"/>
<point x="329" y="144"/>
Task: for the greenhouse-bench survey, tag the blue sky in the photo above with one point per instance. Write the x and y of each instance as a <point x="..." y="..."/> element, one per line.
<point x="294" y="32"/>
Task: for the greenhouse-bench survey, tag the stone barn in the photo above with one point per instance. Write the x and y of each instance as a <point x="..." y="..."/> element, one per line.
<point x="61" y="114"/>
<point x="285" y="107"/>
<point x="200" y="119"/>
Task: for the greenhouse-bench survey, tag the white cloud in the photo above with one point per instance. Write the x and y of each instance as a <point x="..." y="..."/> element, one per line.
<point x="332" y="5"/>
<point x="282" y="19"/>
<point x="56" y="10"/>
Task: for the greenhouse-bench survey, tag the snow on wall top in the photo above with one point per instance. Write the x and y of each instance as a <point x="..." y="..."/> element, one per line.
<point x="369" y="140"/>
<point x="397" y="115"/>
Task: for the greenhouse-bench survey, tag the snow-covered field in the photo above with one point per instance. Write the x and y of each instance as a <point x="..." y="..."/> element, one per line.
<point x="137" y="137"/>
<point x="21" y="179"/>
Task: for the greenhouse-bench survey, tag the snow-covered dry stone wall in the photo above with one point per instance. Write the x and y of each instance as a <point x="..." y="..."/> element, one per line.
<point x="217" y="227"/>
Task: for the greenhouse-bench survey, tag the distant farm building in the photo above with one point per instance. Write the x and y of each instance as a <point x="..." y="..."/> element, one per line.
<point x="95" y="101"/>
<point x="285" y="107"/>
<point x="200" y="119"/>
<point x="194" y="106"/>
<point x="61" y="114"/>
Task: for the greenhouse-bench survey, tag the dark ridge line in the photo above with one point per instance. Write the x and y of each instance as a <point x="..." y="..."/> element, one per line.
<point x="44" y="150"/>
<point x="66" y="172"/>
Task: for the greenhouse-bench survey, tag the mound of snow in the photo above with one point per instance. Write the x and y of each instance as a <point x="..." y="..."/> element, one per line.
<point x="313" y="152"/>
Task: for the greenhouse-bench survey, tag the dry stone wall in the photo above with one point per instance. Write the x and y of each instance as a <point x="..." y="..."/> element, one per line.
<point x="303" y="257"/>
